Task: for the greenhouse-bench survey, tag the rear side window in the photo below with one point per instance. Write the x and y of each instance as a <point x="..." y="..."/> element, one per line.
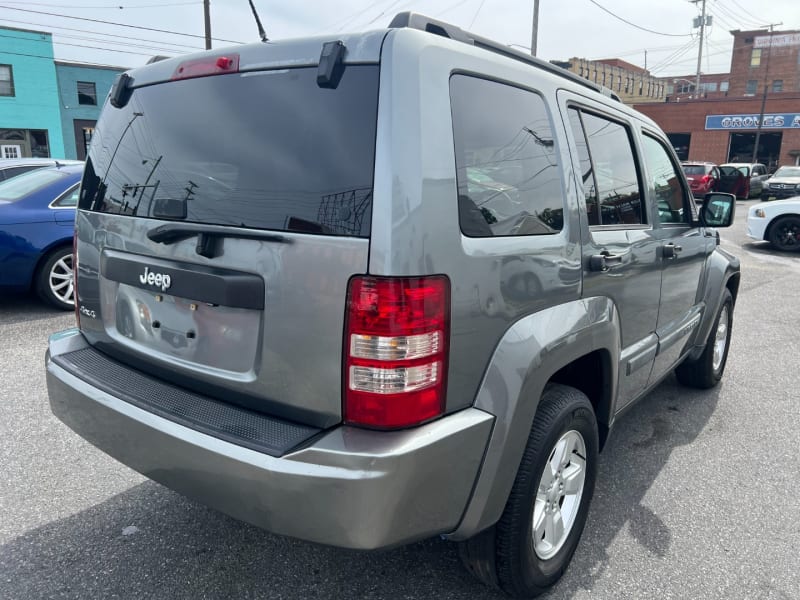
<point x="506" y="161"/>
<point x="266" y="150"/>
<point x="21" y="186"/>
<point x="612" y="188"/>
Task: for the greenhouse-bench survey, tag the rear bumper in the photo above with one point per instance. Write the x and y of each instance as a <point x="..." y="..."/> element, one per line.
<point x="348" y="487"/>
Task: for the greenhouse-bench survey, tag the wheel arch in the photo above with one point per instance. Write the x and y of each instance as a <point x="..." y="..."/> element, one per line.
<point x="45" y="255"/>
<point x="555" y="345"/>
<point x="776" y="219"/>
<point x="722" y="272"/>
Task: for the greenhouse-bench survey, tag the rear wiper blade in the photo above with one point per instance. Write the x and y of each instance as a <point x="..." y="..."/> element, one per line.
<point x="209" y="235"/>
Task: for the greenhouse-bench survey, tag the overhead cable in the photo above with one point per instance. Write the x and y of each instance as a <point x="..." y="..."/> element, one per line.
<point x="616" y="16"/>
<point x="49" y="14"/>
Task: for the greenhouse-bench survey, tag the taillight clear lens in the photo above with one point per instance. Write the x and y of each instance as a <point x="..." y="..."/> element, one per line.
<point x="396" y="350"/>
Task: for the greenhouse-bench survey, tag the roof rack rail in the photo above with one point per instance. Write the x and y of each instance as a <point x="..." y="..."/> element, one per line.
<point x="414" y="20"/>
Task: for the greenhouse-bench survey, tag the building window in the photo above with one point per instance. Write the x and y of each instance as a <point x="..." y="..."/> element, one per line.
<point x="6" y="81"/>
<point x="755" y="57"/>
<point x="752" y="86"/>
<point x="723" y="86"/>
<point x="777" y="85"/>
<point x="87" y="93"/>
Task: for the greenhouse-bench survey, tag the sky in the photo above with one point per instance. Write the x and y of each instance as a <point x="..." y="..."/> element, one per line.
<point x="567" y="28"/>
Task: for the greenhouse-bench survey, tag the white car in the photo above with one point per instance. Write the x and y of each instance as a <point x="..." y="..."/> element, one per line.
<point x="777" y="222"/>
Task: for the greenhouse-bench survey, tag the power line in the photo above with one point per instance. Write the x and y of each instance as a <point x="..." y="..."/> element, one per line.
<point x="751" y="15"/>
<point x="115" y="6"/>
<point x="475" y="16"/>
<point x="638" y="26"/>
<point x="731" y="16"/>
<point x="13" y="37"/>
<point x="89" y="39"/>
<point x="116" y="35"/>
<point x="49" y="14"/>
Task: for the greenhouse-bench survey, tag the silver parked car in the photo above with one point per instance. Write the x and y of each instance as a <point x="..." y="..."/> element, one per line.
<point x="372" y="288"/>
<point x="11" y="167"/>
<point x="784" y="183"/>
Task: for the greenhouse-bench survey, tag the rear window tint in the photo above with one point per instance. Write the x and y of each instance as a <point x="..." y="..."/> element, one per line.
<point x="266" y="150"/>
<point x="506" y="160"/>
<point x="695" y="169"/>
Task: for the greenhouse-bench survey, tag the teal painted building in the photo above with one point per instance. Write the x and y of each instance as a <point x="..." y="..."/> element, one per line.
<point x="30" y="118"/>
<point x="82" y="91"/>
<point x="48" y="108"/>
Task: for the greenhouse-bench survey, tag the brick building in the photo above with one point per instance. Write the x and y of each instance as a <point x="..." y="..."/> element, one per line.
<point x="631" y="83"/>
<point x="722" y="126"/>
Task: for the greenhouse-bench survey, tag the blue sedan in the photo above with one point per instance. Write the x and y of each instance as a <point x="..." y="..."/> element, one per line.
<point x="37" y="220"/>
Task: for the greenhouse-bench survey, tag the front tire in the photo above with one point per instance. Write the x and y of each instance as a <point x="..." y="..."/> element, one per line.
<point x="55" y="279"/>
<point x="706" y="371"/>
<point x="532" y="544"/>
<point x="784" y="234"/>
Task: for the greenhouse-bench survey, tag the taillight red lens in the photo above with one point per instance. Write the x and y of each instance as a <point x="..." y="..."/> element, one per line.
<point x="207" y="65"/>
<point x="705" y="178"/>
<point x="396" y="350"/>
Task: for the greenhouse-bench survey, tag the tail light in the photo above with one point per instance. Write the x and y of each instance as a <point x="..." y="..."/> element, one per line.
<point x="705" y="178"/>
<point x="396" y="350"/>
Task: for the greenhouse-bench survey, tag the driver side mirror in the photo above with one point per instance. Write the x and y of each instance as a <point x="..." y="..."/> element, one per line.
<point x="718" y="210"/>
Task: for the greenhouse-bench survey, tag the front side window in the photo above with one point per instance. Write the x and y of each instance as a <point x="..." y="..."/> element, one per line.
<point x="613" y="193"/>
<point x="6" y="80"/>
<point x="87" y="93"/>
<point x="506" y="160"/>
<point x="665" y="181"/>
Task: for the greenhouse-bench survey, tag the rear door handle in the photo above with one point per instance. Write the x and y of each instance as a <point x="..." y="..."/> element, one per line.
<point x="604" y="260"/>
<point x="671" y="250"/>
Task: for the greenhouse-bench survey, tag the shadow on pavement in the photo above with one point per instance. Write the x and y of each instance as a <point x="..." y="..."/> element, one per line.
<point x="149" y="542"/>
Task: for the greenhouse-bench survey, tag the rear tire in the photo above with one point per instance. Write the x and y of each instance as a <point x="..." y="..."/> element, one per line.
<point x="706" y="371"/>
<point x="784" y="234"/>
<point x="55" y="279"/>
<point x="530" y="547"/>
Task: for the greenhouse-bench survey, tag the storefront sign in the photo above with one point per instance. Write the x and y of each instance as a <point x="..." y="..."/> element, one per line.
<point x="789" y="39"/>
<point x="771" y="121"/>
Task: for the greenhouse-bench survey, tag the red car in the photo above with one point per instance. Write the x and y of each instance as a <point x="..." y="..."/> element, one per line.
<point x="703" y="177"/>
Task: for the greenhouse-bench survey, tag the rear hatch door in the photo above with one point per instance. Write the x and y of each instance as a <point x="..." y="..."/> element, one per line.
<point x="220" y="220"/>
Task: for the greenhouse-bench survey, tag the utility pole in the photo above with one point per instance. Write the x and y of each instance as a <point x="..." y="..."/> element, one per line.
<point x="535" y="28"/>
<point x="700" y="50"/>
<point x="764" y="95"/>
<point x="207" y="16"/>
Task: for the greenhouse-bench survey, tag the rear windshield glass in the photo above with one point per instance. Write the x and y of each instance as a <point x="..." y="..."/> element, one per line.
<point x="23" y="185"/>
<point x="694" y="169"/>
<point x="267" y="150"/>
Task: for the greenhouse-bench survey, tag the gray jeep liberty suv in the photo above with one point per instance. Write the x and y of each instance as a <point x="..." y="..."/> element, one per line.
<point x="367" y="290"/>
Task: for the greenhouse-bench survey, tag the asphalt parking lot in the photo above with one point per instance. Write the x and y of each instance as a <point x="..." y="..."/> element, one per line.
<point x="698" y="494"/>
